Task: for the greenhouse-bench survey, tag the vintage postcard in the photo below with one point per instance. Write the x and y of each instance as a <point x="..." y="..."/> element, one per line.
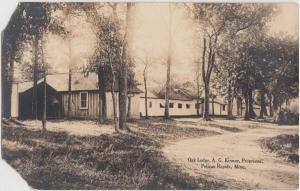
<point x="147" y="96"/>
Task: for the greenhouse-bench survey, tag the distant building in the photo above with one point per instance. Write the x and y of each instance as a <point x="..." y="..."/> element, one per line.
<point x="181" y="103"/>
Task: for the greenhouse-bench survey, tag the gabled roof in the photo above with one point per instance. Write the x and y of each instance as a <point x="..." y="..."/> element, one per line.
<point x="175" y="94"/>
<point x="80" y="82"/>
<point x="179" y="94"/>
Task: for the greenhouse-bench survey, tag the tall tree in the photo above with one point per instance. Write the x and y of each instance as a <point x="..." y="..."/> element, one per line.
<point x="39" y="23"/>
<point x="169" y="63"/>
<point x="198" y="71"/>
<point x="126" y="58"/>
<point x="12" y="37"/>
<point x="98" y="63"/>
<point x="220" y="23"/>
<point x="145" y="71"/>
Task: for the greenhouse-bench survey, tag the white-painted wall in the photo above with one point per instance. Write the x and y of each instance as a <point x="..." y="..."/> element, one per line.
<point x="219" y="109"/>
<point x="156" y="110"/>
<point x="14" y="101"/>
<point x="135" y="105"/>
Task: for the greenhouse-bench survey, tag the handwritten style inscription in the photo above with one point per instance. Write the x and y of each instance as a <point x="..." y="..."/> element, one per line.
<point x="224" y="163"/>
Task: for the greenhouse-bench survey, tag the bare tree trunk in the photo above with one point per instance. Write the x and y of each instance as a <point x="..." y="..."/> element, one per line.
<point x="246" y="117"/>
<point x="206" y="102"/>
<point x="146" y="97"/>
<point x="213" y="106"/>
<point x="265" y="109"/>
<point x="251" y="110"/>
<point x="262" y="105"/>
<point x="129" y="108"/>
<point x="271" y="105"/>
<point x="229" y="98"/>
<point x="10" y="79"/>
<point x="167" y="91"/>
<point x="45" y="102"/>
<point x="123" y="93"/>
<point x="198" y="105"/>
<point x="112" y="89"/>
<point x="7" y="65"/>
<point x="169" y="62"/>
<point x="102" y="87"/>
<point x="70" y="65"/>
<point x="114" y="105"/>
<point x="206" y="84"/>
<point x="198" y="87"/>
<point x="241" y="106"/>
<point x="69" y="92"/>
<point x="124" y="68"/>
<point x="100" y="118"/>
<point x="35" y="77"/>
<point x="280" y="104"/>
<point x="45" y="87"/>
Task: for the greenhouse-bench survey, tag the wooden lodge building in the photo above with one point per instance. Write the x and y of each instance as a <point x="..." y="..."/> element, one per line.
<point x="84" y="98"/>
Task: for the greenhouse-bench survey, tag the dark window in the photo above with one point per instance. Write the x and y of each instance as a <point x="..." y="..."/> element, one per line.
<point x="179" y="105"/>
<point x="161" y="105"/>
<point x="150" y="104"/>
<point x="197" y="106"/>
<point x="223" y="107"/>
<point x="171" y="105"/>
<point x="83" y="100"/>
<point x="187" y="106"/>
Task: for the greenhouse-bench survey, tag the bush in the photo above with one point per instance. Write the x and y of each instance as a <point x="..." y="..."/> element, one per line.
<point x="287" y="118"/>
<point x="285" y="145"/>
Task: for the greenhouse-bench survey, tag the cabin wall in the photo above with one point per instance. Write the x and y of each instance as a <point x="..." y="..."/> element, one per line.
<point x="135" y="106"/>
<point x="25" y="103"/>
<point x="92" y="112"/>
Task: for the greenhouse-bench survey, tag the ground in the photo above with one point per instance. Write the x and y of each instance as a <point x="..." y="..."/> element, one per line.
<point x="273" y="173"/>
<point x="154" y="155"/>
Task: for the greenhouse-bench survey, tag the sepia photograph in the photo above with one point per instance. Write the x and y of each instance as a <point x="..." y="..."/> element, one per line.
<point x="151" y="95"/>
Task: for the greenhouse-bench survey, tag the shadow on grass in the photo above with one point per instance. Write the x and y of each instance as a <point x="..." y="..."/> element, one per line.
<point x="57" y="160"/>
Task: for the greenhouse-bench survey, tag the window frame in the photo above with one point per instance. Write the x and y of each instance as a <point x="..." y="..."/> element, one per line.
<point x="87" y="100"/>
<point x="171" y="105"/>
<point x="223" y="107"/>
<point x="187" y="106"/>
<point x="179" y="105"/>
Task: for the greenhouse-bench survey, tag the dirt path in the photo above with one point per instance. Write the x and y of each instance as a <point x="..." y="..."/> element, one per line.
<point x="272" y="173"/>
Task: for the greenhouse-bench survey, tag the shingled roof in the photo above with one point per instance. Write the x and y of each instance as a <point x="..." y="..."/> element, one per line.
<point x="80" y="82"/>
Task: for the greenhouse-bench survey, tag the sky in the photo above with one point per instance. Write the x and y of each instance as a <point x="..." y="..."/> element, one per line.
<point x="150" y="40"/>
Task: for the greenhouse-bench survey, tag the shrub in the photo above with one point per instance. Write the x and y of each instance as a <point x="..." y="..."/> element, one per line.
<point x="287" y="118"/>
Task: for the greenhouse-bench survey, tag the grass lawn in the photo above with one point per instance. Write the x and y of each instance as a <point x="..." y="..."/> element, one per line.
<point x="286" y="146"/>
<point x="60" y="160"/>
